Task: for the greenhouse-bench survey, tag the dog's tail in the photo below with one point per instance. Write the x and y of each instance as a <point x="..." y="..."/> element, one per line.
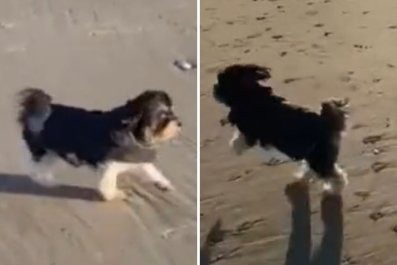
<point x="33" y="102"/>
<point x="334" y="112"/>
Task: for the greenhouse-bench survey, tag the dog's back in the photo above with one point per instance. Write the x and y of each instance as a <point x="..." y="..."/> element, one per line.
<point x="268" y="119"/>
<point x="291" y="129"/>
<point x="63" y="129"/>
<point x="296" y="132"/>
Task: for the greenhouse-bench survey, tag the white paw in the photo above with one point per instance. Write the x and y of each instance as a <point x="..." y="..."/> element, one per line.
<point x="337" y="183"/>
<point x="334" y="186"/>
<point x="164" y="185"/>
<point x="307" y="177"/>
<point x="305" y="173"/>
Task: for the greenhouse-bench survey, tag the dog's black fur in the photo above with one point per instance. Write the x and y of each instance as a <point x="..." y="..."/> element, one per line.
<point x="268" y="120"/>
<point x="84" y="137"/>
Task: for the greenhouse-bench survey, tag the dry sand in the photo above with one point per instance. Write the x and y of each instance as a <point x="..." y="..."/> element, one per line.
<point x="316" y="49"/>
<point x="97" y="54"/>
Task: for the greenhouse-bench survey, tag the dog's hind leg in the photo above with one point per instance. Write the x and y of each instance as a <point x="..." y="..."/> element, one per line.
<point x="38" y="160"/>
<point x="336" y="182"/>
<point x="40" y="169"/>
<point x="238" y="143"/>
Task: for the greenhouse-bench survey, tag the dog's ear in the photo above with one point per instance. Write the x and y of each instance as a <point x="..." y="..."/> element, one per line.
<point x="256" y="73"/>
<point x="251" y="74"/>
<point x="261" y="72"/>
<point x="334" y="114"/>
<point x="132" y="104"/>
<point x="131" y="122"/>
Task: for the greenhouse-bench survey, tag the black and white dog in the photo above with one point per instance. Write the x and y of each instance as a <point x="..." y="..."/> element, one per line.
<point x="268" y="120"/>
<point x="115" y="141"/>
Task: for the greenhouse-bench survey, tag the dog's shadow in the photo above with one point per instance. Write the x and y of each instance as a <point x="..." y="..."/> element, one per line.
<point x="20" y="184"/>
<point x="329" y="251"/>
<point x="214" y="236"/>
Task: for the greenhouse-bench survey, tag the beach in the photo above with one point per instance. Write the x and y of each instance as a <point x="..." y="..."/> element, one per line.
<point x="254" y="213"/>
<point x="97" y="55"/>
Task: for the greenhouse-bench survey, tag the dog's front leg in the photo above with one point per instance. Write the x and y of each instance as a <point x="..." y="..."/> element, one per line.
<point x="108" y="182"/>
<point x="151" y="173"/>
<point x="305" y="173"/>
<point x="238" y="143"/>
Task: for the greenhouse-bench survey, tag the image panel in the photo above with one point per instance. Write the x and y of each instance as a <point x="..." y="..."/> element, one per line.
<point x="98" y="146"/>
<point x="297" y="132"/>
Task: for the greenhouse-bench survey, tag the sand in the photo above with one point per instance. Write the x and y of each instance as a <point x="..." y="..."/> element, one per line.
<point x="317" y="50"/>
<point x="97" y="54"/>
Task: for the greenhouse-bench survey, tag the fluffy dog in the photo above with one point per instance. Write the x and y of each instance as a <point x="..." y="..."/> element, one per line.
<point x="119" y="140"/>
<point x="269" y="121"/>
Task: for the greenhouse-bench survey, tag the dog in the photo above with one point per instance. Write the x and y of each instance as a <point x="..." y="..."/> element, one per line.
<point x="284" y="131"/>
<point x="125" y="138"/>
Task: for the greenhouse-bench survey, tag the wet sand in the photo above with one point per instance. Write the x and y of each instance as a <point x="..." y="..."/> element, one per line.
<point x="317" y="50"/>
<point x="97" y="54"/>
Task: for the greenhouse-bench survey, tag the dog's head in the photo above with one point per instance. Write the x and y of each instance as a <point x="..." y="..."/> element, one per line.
<point x="334" y="111"/>
<point x="152" y="120"/>
<point x="236" y="81"/>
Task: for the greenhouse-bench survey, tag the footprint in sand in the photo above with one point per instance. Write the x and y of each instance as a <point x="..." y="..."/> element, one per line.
<point x="361" y="47"/>
<point x="260" y="18"/>
<point x="359" y="126"/>
<point x="311" y="13"/>
<point x="382" y="213"/>
<point x="240" y="176"/>
<point x="207" y="142"/>
<point x="345" y="78"/>
<point x="254" y="36"/>
<point x="282" y="54"/>
<point x="246" y="226"/>
<point x="277" y="37"/>
<point x="380" y="166"/>
<point x="372" y="139"/>
<point x="291" y="80"/>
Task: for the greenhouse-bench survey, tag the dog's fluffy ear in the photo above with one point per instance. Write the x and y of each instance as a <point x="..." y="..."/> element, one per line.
<point x="131" y="121"/>
<point x="241" y="83"/>
<point x="246" y="75"/>
<point x="334" y="114"/>
<point x="135" y="106"/>
<point x="259" y="72"/>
